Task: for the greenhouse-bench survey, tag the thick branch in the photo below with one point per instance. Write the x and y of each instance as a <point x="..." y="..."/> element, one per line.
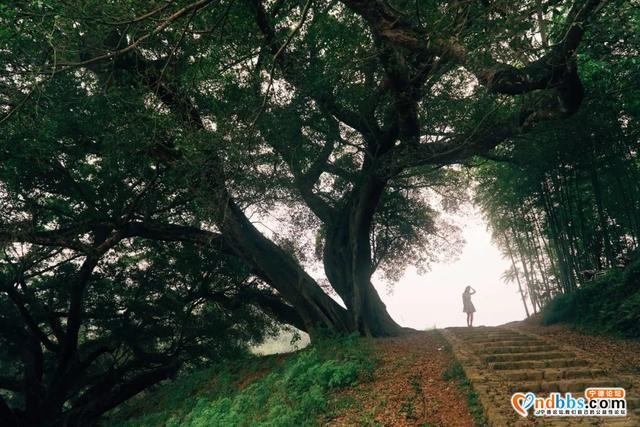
<point x="175" y="233"/>
<point x="63" y="238"/>
<point x="289" y="67"/>
<point x="33" y="326"/>
<point x="554" y="70"/>
<point x="100" y="403"/>
<point x="451" y="151"/>
<point x="74" y="319"/>
<point x="273" y="306"/>
<point x="306" y="181"/>
<point x="270" y="303"/>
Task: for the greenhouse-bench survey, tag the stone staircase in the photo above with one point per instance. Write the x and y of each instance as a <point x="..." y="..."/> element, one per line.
<point x="500" y="361"/>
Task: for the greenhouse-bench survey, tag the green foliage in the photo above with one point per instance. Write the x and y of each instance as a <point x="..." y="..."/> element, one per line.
<point x="563" y="201"/>
<point x="187" y="123"/>
<point x="609" y="304"/>
<point x="292" y="393"/>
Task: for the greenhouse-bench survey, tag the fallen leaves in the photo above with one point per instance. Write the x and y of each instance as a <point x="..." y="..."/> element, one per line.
<point x="407" y="388"/>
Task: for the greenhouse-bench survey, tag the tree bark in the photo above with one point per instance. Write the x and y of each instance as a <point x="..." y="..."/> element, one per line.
<point x="278" y="268"/>
<point x="348" y="264"/>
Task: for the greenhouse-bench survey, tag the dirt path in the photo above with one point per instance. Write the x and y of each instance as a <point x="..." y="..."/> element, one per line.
<point x="407" y="388"/>
<point x="503" y="360"/>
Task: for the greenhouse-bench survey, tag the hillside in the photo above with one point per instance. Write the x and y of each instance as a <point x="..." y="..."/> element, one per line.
<point x="412" y="380"/>
<point x="338" y="382"/>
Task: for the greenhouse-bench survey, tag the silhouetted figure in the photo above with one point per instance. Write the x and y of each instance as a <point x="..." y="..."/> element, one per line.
<point x="467" y="305"/>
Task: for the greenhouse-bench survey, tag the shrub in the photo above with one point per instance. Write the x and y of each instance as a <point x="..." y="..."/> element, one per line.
<point x="293" y="393"/>
<point x="609" y="304"/>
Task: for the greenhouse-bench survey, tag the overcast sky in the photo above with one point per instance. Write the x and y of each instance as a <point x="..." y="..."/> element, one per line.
<point x="435" y="298"/>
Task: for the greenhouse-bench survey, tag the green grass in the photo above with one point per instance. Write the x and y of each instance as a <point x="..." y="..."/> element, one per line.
<point x="290" y="392"/>
<point x="455" y="372"/>
<point x="608" y="305"/>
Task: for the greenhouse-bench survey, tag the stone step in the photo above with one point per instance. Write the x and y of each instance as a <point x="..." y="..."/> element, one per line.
<point x="621" y="421"/>
<point x="633" y="403"/>
<point x="490" y="335"/>
<point x="518" y="349"/>
<point x="495" y="333"/>
<point x="538" y="364"/>
<point x="497" y="340"/>
<point x="529" y="363"/>
<point x="553" y="374"/>
<point x="576" y="386"/>
<point x="511" y="343"/>
<point x="470" y="332"/>
<point x="546" y="355"/>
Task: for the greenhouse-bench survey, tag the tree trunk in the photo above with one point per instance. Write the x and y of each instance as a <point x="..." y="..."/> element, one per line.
<point x="533" y="292"/>
<point x="603" y="234"/>
<point x="278" y="268"/>
<point x="348" y="264"/>
<point x="557" y="241"/>
<point x="544" y="243"/>
<point x="515" y="270"/>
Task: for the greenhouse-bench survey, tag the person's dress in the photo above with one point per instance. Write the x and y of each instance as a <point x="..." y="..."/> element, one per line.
<point x="467" y="305"/>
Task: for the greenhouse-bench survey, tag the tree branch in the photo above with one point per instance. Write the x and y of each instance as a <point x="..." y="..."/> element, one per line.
<point x="99" y="403"/>
<point x="55" y="238"/>
<point x="272" y="305"/>
<point x="305" y="181"/>
<point x="164" y="24"/>
<point x="31" y="324"/>
<point x="288" y="66"/>
<point x="175" y="233"/>
<point x="555" y="70"/>
<point x="451" y="151"/>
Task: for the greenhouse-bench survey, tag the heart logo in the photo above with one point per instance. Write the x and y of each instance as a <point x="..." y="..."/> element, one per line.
<point x="522" y="402"/>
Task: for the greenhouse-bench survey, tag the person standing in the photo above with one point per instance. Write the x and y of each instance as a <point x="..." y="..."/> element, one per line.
<point x="467" y="305"/>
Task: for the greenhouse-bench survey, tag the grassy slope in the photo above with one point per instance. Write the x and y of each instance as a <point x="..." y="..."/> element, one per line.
<point x="608" y="305"/>
<point x="287" y="390"/>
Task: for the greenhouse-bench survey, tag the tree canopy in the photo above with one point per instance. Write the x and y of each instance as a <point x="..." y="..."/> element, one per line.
<point x="174" y="172"/>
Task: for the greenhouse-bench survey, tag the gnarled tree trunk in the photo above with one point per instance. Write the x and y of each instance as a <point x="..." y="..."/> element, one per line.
<point x="348" y="264"/>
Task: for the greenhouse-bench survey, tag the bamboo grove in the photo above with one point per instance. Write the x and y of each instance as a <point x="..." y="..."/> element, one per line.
<point x="564" y="205"/>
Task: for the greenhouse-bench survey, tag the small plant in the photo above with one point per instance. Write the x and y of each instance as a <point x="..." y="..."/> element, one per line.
<point x="454" y="372"/>
<point x="408" y="405"/>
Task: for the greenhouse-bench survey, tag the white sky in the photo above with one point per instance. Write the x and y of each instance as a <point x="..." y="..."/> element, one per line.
<point x="435" y="298"/>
